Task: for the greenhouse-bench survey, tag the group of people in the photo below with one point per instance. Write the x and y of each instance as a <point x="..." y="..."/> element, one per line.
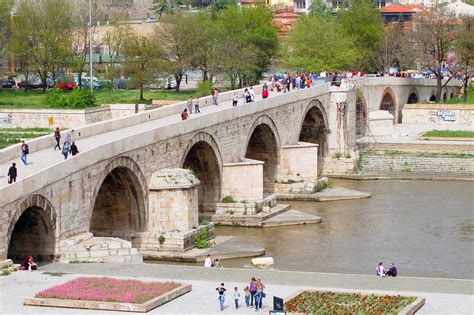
<point x="209" y="263"/>
<point x="190" y="105"/>
<point x="391" y="271"/>
<point x="69" y="147"/>
<point x="253" y="295"/>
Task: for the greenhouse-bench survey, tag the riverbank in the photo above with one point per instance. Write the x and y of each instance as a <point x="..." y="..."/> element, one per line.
<point x="443" y="296"/>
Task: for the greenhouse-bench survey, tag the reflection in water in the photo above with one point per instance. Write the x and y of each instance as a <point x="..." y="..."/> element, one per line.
<point x="424" y="227"/>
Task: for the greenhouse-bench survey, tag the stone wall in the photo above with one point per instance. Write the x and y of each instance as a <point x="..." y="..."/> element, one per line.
<point x="65" y="118"/>
<point x="376" y="164"/>
<point x="438" y="114"/>
<point x="243" y="180"/>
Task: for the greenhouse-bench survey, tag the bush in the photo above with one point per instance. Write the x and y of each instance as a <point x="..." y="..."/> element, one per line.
<point x="161" y="239"/>
<point x="56" y="99"/>
<point x="228" y="199"/>
<point x="321" y="185"/>
<point x="201" y="239"/>
<point x="204" y="88"/>
<point x="77" y="99"/>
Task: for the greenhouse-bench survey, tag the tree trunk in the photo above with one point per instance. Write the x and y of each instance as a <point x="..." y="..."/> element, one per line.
<point x="141" y="94"/>
<point x="44" y="80"/>
<point x="466" y="86"/>
<point x="438" y="87"/>
<point x="178" y="78"/>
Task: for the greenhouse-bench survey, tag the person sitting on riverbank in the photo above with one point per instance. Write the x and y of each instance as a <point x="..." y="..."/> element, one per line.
<point x="392" y="271"/>
<point x="380" y="270"/>
<point x="30" y="264"/>
<point x="208" y="261"/>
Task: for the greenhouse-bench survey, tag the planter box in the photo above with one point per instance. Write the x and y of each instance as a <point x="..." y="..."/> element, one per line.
<point x="112" y="306"/>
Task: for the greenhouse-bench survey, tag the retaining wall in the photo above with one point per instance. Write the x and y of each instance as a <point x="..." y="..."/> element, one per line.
<point x="438" y="114"/>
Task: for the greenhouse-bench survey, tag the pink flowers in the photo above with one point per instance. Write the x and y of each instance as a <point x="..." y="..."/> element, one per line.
<point x="108" y="290"/>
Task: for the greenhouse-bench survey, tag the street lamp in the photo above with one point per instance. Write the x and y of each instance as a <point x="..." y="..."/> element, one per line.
<point x="90" y="45"/>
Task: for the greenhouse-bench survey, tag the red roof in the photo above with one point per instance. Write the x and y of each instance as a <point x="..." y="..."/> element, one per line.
<point x="395" y="8"/>
<point x="286" y="15"/>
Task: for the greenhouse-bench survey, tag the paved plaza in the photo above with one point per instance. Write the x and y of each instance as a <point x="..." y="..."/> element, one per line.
<point x="443" y="296"/>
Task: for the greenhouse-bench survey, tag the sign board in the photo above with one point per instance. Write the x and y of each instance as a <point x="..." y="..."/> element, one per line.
<point x="50" y="121"/>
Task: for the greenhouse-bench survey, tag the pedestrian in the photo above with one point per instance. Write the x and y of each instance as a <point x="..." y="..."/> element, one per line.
<point x="259" y="295"/>
<point x="252" y="94"/>
<point x="392" y="270"/>
<point x="74" y="149"/>
<point x="189" y="105"/>
<point x="253" y="290"/>
<point x="69" y="136"/>
<point x="215" y="97"/>
<point x="380" y="270"/>
<point x="246" y="95"/>
<point x="298" y="82"/>
<point x="264" y="91"/>
<point x="247" y="295"/>
<point x="12" y="172"/>
<point x="208" y="261"/>
<point x="236" y="298"/>
<point x="184" y="114"/>
<point x="66" y="149"/>
<point x="221" y="297"/>
<point x="235" y="99"/>
<point x="24" y="151"/>
<point x="197" y="109"/>
<point x="57" y="137"/>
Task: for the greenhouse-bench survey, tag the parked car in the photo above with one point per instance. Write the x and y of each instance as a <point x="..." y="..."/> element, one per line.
<point x="121" y="84"/>
<point x="7" y="84"/>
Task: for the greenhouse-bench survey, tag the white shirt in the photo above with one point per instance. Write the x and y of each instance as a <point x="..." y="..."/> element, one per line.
<point x="208" y="262"/>
<point x="380" y="270"/>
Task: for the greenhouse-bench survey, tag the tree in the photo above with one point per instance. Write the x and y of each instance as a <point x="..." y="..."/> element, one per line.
<point x="143" y="61"/>
<point x="464" y="45"/>
<point x="177" y="43"/>
<point x="6" y="7"/>
<point x="115" y="39"/>
<point x="432" y="38"/>
<point x="318" y="43"/>
<point x="164" y="6"/>
<point x="362" y="22"/>
<point x="319" y="7"/>
<point x="42" y="30"/>
<point x="394" y="49"/>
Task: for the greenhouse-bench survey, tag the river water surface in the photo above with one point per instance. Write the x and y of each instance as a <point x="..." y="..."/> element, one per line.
<point x="425" y="227"/>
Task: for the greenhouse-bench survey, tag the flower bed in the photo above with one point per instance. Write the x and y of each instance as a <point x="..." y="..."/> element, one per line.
<point x="108" y="290"/>
<point x="321" y="302"/>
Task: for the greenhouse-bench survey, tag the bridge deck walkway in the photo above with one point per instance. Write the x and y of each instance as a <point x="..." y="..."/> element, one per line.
<point x="46" y="158"/>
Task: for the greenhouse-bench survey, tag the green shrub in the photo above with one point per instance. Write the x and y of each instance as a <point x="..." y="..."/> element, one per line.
<point x="406" y="169"/>
<point x="81" y="98"/>
<point x="205" y="222"/>
<point x="56" y="99"/>
<point x="161" y="239"/>
<point x="204" y="88"/>
<point x="6" y="272"/>
<point x="337" y="155"/>
<point x="201" y="239"/>
<point x="321" y="185"/>
<point x="228" y="199"/>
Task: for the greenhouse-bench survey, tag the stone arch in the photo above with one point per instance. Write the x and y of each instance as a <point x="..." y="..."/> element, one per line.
<point x="263" y="144"/>
<point x="433" y="96"/>
<point x="32" y="230"/>
<point x="314" y="127"/>
<point x="388" y="102"/>
<point x="119" y="206"/>
<point x="451" y="96"/>
<point x="445" y="96"/>
<point x="203" y="157"/>
<point x="413" y="96"/>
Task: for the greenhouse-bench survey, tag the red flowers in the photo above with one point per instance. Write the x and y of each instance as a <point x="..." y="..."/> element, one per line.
<point x="326" y="302"/>
<point x="108" y="290"/>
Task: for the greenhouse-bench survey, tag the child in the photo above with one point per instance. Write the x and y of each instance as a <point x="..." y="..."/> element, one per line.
<point x="247" y="296"/>
<point x="236" y="297"/>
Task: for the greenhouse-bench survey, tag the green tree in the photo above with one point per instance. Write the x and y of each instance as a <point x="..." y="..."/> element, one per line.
<point x="115" y="39"/>
<point x="6" y="7"/>
<point x="318" y="43"/>
<point x="319" y="7"/>
<point x="464" y="45"/>
<point x="164" y="6"/>
<point x="432" y="40"/>
<point x="143" y="61"/>
<point x="362" y="22"/>
<point x="42" y="29"/>
<point x="219" y="5"/>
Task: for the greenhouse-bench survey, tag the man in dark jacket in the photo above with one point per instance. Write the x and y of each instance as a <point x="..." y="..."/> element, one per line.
<point x="12" y="173"/>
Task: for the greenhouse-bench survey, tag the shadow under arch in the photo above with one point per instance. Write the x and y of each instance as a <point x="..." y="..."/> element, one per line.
<point x="263" y="144"/>
<point x="32" y="231"/>
<point x="315" y="127"/>
<point x="203" y="157"/>
<point x="120" y="200"/>
<point x="388" y="102"/>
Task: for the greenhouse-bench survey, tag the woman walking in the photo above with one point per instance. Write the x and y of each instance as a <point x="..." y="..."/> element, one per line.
<point x="259" y="295"/>
<point x="57" y="137"/>
<point x="253" y="290"/>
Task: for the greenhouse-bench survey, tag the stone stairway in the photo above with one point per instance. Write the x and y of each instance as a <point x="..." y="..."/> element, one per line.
<point x="89" y="248"/>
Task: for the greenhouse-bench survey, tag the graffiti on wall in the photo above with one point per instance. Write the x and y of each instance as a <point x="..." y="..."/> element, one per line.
<point x="6" y="120"/>
<point x="443" y="115"/>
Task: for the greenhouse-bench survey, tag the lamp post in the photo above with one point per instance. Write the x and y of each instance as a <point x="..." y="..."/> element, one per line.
<point x="90" y="46"/>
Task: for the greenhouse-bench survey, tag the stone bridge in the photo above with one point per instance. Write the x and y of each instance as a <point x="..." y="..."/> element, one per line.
<point x="144" y="178"/>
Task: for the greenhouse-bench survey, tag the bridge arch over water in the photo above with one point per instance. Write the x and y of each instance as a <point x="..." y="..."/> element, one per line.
<point x="33" y="231"/>
<point x="203" y="157"/>
<point x="314" y="127"/>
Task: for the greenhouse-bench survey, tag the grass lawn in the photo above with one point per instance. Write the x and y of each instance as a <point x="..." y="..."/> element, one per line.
<point x="449" y="134"/>
<point x="321" y="302"/>
<point x="33" y="99"/>
<point x="395" y="153"/>
<point x="10" y="136"/>
<point x="460" y="100"/>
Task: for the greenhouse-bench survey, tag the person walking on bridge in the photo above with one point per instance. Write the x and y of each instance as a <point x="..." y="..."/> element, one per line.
<point x="69" y="136"/>
<point x="57" y="137"/>
<point x="12" y="173"/>
<point x="24" y="151"/>
<point x="215" y="97"/>
<point x="189" y="105"/>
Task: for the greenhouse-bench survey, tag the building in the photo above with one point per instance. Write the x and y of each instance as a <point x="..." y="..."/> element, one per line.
<point x="399" y="13"/>
<point x="284" y="21"/>
<point x="302" y="6"/>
